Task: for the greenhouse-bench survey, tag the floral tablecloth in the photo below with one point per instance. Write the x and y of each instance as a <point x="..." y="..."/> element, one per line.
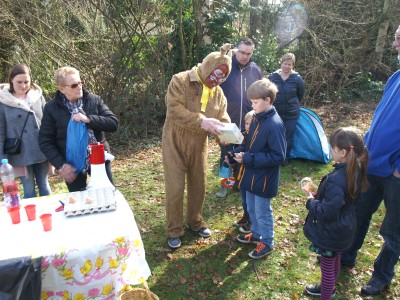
<point x="92" y="256"/>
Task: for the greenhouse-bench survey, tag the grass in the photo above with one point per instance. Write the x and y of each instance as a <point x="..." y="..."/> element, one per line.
<point x="219" y="267"/>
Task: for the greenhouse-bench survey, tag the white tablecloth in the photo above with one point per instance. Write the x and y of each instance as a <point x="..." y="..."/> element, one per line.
<point x="90" y="256"/>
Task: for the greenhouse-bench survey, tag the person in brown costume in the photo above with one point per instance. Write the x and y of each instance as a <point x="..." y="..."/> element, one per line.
<point x="196" y="106"/>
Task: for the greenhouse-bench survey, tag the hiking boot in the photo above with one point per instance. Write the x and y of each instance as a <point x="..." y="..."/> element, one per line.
<point x="245" y="228"/>
<point x="374" y="286"/>
<point x="222" y="192"/>
<point x="261" y="251"/>
<point x="174" y="242"/>
<point x="242" y="221"/>
<point x="247" y="239"/>
<point x="315" y="290"/>
<point x="204" y="232"/>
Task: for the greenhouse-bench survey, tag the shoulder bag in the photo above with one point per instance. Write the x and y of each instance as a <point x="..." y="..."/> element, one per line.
<point x="13" y="145"/>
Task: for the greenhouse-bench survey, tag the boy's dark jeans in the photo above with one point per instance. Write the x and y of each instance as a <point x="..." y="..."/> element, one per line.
<point x="388" y="190"/>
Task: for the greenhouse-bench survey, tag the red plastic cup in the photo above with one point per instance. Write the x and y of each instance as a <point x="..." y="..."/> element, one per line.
<point x="14" y="214"/>
<point x="31" y="212"/>
<point x="46" y="221"/>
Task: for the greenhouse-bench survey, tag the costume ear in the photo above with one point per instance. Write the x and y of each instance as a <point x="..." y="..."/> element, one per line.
<point x="232" y="52"/>
<point x="225" y="48"/>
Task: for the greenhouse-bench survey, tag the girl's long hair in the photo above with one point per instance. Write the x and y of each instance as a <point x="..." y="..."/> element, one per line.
<point x="352" y="140"/>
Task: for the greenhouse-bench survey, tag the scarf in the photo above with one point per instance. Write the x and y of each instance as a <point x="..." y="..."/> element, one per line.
<point x="75" y="108"/>
<point x="207" y="92"/>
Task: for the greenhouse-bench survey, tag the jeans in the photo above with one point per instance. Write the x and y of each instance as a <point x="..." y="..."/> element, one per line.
<point x="290" y="127"/>
<point x="260" y="211"/>
<point x="36" y="172"/>
<point x="388" y="190"/>
<point x="244" y="204"/>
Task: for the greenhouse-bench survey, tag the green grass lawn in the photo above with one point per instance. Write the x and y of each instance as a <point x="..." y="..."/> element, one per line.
<point x="219" y="267"/>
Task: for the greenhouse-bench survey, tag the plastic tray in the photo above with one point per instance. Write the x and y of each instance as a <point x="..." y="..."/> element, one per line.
<point x="89" y="201"/>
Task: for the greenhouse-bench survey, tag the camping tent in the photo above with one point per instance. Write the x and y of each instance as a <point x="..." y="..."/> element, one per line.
<point x="310" y="141"/>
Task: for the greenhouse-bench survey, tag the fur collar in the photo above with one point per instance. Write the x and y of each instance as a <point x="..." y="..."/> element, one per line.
<point x="32" y="97"/>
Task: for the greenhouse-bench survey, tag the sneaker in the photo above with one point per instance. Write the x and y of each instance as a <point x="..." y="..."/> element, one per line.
<point x="174" y="242"/>
<point x="242" y="221"/>
<point x="247" y="239"/>
<point x="374" y="286"/>
<point x="315" y="290"/>
<point x="261" y="251"/>
<point x="222" y="192"/>
<point x="204" y="232"/>
<point x="245" y="228"/>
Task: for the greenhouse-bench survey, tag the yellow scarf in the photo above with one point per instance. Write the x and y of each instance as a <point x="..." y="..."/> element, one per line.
<point x="207" y="92"/>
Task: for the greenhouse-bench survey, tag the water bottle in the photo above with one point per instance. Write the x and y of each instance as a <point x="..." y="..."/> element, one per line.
<point x="10" y="187"/>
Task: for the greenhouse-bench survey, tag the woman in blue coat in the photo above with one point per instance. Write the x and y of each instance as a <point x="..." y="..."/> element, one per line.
<point x="290" y="92"/>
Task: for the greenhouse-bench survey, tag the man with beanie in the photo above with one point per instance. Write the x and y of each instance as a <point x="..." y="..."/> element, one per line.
<point x="244" y="72"/>
<point x="196" y="106"/>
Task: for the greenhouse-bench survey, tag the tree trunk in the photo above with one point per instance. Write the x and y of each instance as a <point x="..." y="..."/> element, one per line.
<point x="380" y="45"/>
<point x="255" y="18"/>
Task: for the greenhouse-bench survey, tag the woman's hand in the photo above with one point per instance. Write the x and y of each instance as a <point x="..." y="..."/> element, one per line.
<point x="81" y="118"/>
<point x="68" y="173"/>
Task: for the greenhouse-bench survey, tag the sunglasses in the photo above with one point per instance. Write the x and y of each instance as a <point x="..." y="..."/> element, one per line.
<point x="75" y="85"/>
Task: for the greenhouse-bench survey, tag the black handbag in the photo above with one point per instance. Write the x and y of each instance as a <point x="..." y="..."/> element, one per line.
<point x="13" y="145"/>
<point x="21" y="278"/>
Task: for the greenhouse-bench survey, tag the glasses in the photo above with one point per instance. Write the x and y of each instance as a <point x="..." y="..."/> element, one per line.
<point x="245" y="53"/>
<point x="75" y="85"/>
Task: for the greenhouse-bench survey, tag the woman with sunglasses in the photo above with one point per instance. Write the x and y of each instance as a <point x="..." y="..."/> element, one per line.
<point x="21" y="111"/>
<point x="72" y="102"/>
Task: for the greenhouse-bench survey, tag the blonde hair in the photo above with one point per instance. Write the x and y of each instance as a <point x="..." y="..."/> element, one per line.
<point x="288" y="56"/>
<point x="249" y="115"/>
<point x="61" y="73"/>
<point x="261" y="89"/>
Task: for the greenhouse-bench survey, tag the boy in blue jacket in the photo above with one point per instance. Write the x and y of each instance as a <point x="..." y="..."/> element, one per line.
<point x="261" y="156"/>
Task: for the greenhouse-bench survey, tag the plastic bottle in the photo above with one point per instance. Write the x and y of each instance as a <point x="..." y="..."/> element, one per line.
<point x="10" y="187"/>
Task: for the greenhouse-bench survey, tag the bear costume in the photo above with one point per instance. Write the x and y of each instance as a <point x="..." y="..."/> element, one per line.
<point x="185" y="142"/>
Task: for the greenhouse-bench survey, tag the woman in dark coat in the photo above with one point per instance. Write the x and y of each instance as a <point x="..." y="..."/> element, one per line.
<point x="73" y="102"/>
<point x="290" y="92"/>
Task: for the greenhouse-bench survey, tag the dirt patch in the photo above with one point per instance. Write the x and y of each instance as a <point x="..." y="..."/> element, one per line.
<point x="357" y="114"/>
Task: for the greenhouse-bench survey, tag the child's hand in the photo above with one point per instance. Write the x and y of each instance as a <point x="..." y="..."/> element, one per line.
<point x="239" y="157"/>
<point x="310" y="195"/>
<point x="308" y="186"/>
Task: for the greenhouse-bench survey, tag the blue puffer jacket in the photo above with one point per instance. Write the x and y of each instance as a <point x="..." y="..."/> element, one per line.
<point x="383" y="138"/>
<point x="290" y="93"/>
<point x="331" y="221"/>
<point x="264" y="152"/>
<point x="235" y="88"/>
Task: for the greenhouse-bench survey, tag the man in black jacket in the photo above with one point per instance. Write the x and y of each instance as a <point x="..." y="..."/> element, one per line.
<point x="73" y="102"/>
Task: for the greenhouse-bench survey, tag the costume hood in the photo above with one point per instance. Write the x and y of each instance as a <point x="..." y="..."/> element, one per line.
<point x="215" y="59"/>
